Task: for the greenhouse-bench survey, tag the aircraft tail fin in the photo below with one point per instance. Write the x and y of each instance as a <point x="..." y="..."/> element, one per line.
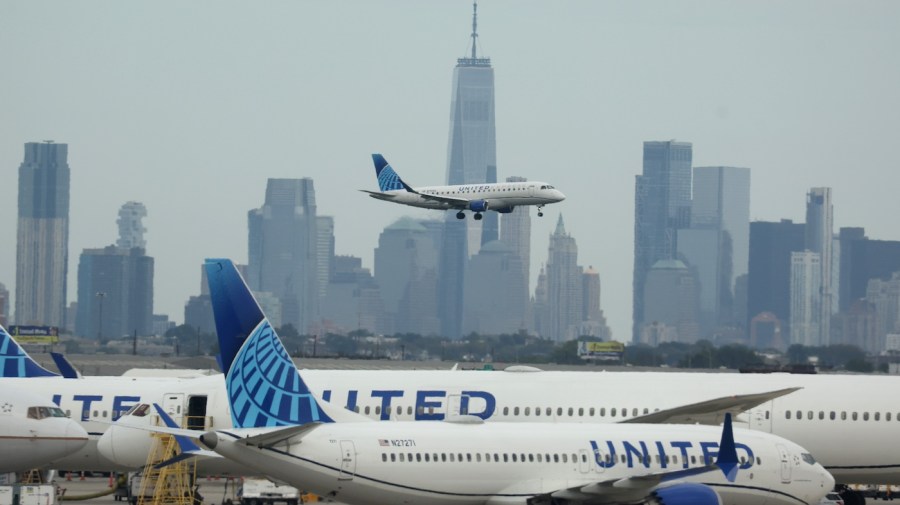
<point x="388" y="179"/>
<point x="15" y="362"/>
<point x="264" y="387"/>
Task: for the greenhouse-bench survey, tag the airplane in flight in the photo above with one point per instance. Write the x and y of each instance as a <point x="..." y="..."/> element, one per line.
<point x="283" y="430"/>
<point x="501" y="197"/>
<point x="34" y="432"/>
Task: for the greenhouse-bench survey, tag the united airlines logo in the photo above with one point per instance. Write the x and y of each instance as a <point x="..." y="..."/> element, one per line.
<point x="14" y="362"/>
<point x="388" y="180"/>
<point x="264" y="386"/>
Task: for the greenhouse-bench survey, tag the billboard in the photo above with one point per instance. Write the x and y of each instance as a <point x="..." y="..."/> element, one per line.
<point x="601" y="350"/>
<point x="35" y="334"/>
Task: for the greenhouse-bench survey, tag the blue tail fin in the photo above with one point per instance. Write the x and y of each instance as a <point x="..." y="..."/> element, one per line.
<point x="388" y="180"/>
<point x="264" y="388"/>
<point x="15" y="362"/>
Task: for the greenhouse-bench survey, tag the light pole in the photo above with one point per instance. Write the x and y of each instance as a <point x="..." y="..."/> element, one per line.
<point x="101" y="295"/>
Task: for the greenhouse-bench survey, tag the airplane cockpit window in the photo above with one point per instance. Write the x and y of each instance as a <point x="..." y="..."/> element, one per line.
<point x="45" y="412"/>
<point x="808" y="458"/>
<point x="139" y="410"/>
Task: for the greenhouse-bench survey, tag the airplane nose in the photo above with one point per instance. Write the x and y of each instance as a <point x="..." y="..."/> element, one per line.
<point x="560" y="196"/>
<point x="125" y="446"/>
<point x="76" y="437"/>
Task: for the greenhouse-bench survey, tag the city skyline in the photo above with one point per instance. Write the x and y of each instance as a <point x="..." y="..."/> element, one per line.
<point x="193" y="123"/>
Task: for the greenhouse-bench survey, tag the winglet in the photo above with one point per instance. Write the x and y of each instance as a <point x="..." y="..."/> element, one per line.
<point x="184" y="443"/>
<point x="65" y="367"/>
<point x="15" y="362"/>
<point x="727" y="459"/>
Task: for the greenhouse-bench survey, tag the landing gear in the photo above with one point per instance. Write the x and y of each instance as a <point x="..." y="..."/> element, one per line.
<point x="540" y="210"/>
<point x="460" y="215"/>
<point x="478" y="216"/>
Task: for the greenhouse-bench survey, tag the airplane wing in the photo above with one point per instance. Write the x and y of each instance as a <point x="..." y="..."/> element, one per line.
<point x="710" y="412"/>
<point x="620" y="491"/>
<point x="379" y="194"/>
<point x="653" y="487"/>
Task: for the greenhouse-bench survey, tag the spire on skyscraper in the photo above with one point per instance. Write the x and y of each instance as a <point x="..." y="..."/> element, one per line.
<point x="474" y="28"/>
<point x="474" y="60"/>
<point x="560" y="226"/>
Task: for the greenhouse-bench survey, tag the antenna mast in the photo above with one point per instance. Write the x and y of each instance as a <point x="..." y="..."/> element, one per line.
<point x="474" y="27"/>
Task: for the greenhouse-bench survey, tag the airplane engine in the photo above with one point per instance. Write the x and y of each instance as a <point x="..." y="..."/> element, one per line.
<point x="685" y="494"/>
<point x="478" y="205"/>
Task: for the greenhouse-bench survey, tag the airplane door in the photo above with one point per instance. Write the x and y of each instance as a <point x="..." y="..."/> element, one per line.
<point x="584" y="461"/>
<point x="348" y="460"/>
<point x="761" y="419"/>
<point x="173" y="404"/>
<point x="785" y="463"/>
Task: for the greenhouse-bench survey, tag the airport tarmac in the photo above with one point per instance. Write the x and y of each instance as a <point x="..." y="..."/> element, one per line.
<point x="214" y="491"/>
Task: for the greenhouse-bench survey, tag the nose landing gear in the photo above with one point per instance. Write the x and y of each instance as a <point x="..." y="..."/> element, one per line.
<point x="540" y="210"/>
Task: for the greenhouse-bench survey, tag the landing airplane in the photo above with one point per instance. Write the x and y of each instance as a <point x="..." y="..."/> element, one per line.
<point x="34" y="432"/>
<point x="501" y="197"/>
<point x="282" y="430"/>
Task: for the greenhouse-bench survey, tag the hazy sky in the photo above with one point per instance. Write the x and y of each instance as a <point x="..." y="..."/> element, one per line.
<point x="189" y="107"/>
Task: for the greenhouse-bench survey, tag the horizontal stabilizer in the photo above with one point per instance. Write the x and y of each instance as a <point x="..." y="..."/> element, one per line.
<point x="710" y="412"/>
<point x="199" y="453"/>
<point x="276" y="435"/>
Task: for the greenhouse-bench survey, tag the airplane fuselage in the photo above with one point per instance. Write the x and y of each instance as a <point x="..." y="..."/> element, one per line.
<point x="851" y="446"/>
<point x="403" y="462"/>
<point x="497" y="196"/>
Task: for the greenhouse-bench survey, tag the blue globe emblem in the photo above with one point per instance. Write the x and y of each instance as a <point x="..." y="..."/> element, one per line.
<point x="264" y="386"/>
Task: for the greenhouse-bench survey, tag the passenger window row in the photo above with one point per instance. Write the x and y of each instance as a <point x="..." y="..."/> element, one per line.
<point x="844" y="415"/>
<point x="419" y="457"/>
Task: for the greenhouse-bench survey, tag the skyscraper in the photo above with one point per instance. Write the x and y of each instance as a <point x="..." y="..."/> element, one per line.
<point x="769" y="277"/>
<point x="863" y="259"/>
<point x="284" y="248"/>
<point x="515" y="232"/>
<point x="820" y="239"/>
<point x="721" y="201"/>
<point x="471" y="153"/>
<point x="42" y="252"/>
<point x="495" y="269"/>
<point x="4" y="306"/>
<point x="662" y="205"/>
<point x="115" y="293"/>
<point x="562" y="310"/>
<point x="131" y="229"/>
<point x="806" y="302"/>
<point x="406" y="271"/>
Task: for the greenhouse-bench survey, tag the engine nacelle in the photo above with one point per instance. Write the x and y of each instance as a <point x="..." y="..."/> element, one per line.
<point x="478" y="205"/>
<point x="686" y="494"/>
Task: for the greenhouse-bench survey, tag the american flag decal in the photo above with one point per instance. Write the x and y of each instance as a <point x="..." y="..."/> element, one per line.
<point x="384" y="443"/>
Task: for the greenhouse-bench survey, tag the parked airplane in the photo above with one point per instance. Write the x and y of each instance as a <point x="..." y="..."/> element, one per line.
<point x="843" y="420"/>
<point x="34" y="432"/>
<point x="499" y="196"/>
<point x="282" y="430"/>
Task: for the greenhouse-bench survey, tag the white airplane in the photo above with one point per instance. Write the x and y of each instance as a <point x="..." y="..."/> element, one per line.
<point x="282" y="430"/>
<point x="34" y="432"/>
<point x="844" y="420"/>
<point x="499" y="196"/>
